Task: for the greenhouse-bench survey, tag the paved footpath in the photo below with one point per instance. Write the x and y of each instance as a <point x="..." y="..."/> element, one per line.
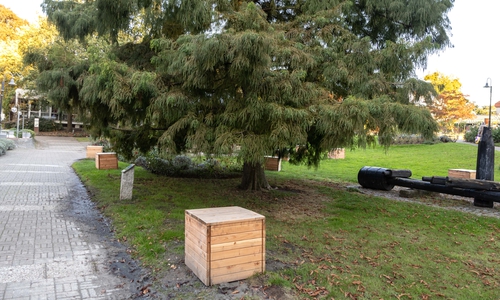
<point x="53" y="244"/>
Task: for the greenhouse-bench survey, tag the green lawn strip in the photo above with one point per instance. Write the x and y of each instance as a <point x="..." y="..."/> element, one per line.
<point x="83" y="139"/>
<point x="337" y="244"/>
<point x="422" y="160"/>
<point x="375" y="248"/>
<point x="155" y="215"/>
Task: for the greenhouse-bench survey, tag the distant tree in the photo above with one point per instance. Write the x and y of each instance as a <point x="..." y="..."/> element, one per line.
<point x="10" y="29"/>
<point x="451" y="105"/>
<point x="10" y="24"/>
<point x="10" y="59"/>
<point x="268" y="76"/>
<point x="483" y="110"/>
<point x="60" y="67"/>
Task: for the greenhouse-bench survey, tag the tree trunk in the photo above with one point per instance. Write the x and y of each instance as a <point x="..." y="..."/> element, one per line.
<point x="69" y="127"/>
<point x="254" y="178"/>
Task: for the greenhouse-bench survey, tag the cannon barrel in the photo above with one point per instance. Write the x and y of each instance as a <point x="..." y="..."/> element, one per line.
<point x="427" y="186"/>
<point x="382" y="179"/>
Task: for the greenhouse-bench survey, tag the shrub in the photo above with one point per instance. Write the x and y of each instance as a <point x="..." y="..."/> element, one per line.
<point x="106" y="146"/>
<point x="5" y="145"/>
<point x="31" y="132"/>
<point x="406" y="139"/>
<point x="44" y="125"/>
<point x="20" y="133"/>
<point x="496" y="134"/>
<point x="183" y="166"/>
<point x="182" y="162"/>
<point x="156" y="165"/>
<point x="470" y="135"/>
<point x="10" y="145"/>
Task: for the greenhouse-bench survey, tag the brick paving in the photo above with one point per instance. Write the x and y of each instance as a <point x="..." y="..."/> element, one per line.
<point x="47" y="252"/>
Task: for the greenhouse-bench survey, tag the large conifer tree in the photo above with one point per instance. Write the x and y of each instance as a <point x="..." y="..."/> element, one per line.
<point x="265" y="75"/>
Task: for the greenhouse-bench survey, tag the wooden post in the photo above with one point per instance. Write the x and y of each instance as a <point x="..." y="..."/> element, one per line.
<point x="485" y="166"/>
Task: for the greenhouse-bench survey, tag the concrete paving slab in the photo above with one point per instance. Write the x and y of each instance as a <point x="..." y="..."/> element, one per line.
<point x="52" y="245"/>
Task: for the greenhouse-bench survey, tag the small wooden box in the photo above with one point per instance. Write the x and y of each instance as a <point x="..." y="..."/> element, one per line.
<point x="338" y="153"/>
<point x="105" y="161"/>
<point x="272" y="163"/>
<point x="462" y="173"/>
<point x="224" y="244"/>
<point x="93" y="150"/>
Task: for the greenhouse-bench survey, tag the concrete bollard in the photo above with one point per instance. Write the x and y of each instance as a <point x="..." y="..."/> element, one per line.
<point x="127" y="183"/>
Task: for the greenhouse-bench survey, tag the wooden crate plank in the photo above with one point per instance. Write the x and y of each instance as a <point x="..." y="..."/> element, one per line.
<point x="197" y="254"/>
<point x="272" y="163"/>
<point x="196" y="235"/>
<point x="236" y="245"/>
<point x="197" y="269"/>
<point x="239" y="227"/>
<point x="93" y="150"/>
<point x="338" y="153"/>
<point x="221" y="239"/>
<point x="263" y="245"/>
<point x="229" y="240"/>
<point x="197" y="243"/>
<point x="106" y="161"/>
<point x="195" y="225"/>
<point x="462" y="173"/>
<point x="236" y="252"/>
<point x="233" y="276"/>
<point x="255" y="266"/>
<point x="235" y="260"/>
<point x="231" y="214"/>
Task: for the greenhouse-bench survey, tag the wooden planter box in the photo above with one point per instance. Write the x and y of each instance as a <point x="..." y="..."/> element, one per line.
<point x="224" y="244"/>
<point x="462" y="173"/>
<point x="338" y="153"/>
<point x="105" y="161"/>
<point x="272" y="163"/>
<point x="93" y="150"/>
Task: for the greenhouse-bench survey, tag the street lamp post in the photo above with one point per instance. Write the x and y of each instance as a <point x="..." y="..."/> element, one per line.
<point x="490" y="86"/>
<point x="17" y="112"/>
<point x="11" y="83"/>
<point x="485" y="166"/>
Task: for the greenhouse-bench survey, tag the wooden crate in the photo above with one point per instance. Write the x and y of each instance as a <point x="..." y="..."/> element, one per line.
<point x="224" y="244"/>
<point x="338" y="153"/>
<point x="462" y="173"/>
<point x="93" y="150"/>
<point x="105" y="161"/>
<point x="272" y="163"/>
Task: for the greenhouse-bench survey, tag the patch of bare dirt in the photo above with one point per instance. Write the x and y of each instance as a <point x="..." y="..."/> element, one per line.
<point x="297" y="202"/>
<point x="176" y="281"/>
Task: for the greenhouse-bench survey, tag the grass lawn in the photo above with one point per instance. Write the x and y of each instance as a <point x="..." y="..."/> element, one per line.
<point x="321" y="240"/>
<point x="422" y="160"/>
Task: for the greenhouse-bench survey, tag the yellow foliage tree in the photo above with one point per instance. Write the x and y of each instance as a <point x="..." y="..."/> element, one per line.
<point x="10" y="28"/>
<point x="451" y="105"/>
<point x="17" y="37"/>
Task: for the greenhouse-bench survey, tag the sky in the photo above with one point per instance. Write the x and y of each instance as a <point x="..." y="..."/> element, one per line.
<point x="474" y="58"/>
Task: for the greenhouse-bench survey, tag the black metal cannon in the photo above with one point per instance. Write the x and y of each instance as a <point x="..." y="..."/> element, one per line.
<point x="385" y="179"/>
